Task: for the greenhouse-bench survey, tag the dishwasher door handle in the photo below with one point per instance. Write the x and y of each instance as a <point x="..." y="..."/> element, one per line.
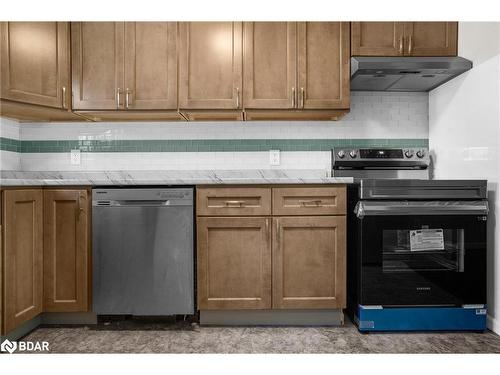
<point x="140" y="203"/>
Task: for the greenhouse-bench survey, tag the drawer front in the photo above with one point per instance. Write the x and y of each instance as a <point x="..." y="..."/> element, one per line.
<point x="309" y="201"/>
<point x="233" y="201"/>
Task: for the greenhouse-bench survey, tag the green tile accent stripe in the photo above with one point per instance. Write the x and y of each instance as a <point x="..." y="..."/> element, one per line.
<point x="8" y="144"/>
<point x="200" y="145"/>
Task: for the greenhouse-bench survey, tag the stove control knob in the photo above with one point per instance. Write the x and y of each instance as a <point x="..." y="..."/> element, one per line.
<point x="421" y="153"/>
<point x="409" y="153"/>
<point x="353" y="154"/>
<point x="341" y="154"/>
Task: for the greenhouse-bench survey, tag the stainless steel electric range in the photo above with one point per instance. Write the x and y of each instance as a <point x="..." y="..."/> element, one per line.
<point x="416" y="247"/>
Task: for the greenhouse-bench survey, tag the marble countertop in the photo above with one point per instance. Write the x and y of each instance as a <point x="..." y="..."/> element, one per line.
<point x="171" y="177"/>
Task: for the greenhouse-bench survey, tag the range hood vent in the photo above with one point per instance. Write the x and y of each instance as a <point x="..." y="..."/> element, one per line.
<point x="403" y="74"/>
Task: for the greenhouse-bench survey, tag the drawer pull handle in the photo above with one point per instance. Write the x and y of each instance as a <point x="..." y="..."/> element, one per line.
<point x="234" y="203"/>
<point x="314" y="203"/>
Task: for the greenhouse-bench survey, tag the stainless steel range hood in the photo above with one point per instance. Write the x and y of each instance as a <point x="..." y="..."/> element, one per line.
<point x="404" y="73"/>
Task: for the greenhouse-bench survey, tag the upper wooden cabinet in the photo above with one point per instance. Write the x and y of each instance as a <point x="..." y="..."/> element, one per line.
<point x="150" y="65"/>
<point x="210" y="65"/>
<point x="404" y="38"/>
<point x="323" y="65"/>
<point x="270" y="64"/>
<point x="377" y="38"/>
<point x="431" y="38"/>
<point x="22" y="255"/>
<point x="66" y="249"/>
<point x="118" y="65"/>
<point x="97" y="64"/>
<point x="290" y="65"/>
<point x="35" y="63"/>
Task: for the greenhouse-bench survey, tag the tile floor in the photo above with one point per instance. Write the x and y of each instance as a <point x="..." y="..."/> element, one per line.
<point x="184" y="337"/>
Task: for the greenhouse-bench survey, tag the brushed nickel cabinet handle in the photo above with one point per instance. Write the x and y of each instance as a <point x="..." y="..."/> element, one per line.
<point x="127" y="92"/>
<point x="410" y="44"/>
<point x="64" y="97"/>
<point x="302" y="95"/>
<point x="312" y="203"/>
<point x="237" y="97"/>
<point x="233" y="203"/>
<point x="293" y="97"/>
<point x="118" y="92"/>
<point x="401" y="45"/>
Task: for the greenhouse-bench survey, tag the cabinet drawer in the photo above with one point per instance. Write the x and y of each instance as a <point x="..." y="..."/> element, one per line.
<point x="233" y="201"/>
<point x="309" y="201"/>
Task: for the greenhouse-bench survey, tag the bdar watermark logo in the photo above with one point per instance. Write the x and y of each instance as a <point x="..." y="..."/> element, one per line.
<point x="8" y="346"/>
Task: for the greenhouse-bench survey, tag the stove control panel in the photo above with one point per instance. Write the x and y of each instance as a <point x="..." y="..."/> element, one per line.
<point x="379" y="153"/>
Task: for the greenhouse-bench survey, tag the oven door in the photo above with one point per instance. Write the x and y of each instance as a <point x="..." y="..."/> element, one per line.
<point x="423" y="253"/>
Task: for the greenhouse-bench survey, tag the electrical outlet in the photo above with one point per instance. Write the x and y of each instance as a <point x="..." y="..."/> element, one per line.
<point x="274" y="157"/>
<point x="75" y="157"/>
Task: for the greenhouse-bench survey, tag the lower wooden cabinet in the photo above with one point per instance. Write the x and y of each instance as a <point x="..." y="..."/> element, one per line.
<point x="23" y="256"/>
<point x="275" y="260"/>
<point x="309" y="262"/>
<point x="45" y="253"/>
<point x="234" y="263"/>
<point x="65" y="251"/>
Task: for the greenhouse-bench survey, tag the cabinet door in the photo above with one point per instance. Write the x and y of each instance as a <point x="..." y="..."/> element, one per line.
<point x="65" y="250"/>
<point x="270" y="61"/>
<point x="97" y="65"/>
<point x="431" y="38"/>
<point x="377" y="38"/>
<point x="210" y="65"/>
<point x="23" y="256"/>
<point x="234" y="263"/>
<point x="323" y="65"/>
<point x="309" y="262"/>
<point x="35" y="63"/>
<point x="151" y="65"/>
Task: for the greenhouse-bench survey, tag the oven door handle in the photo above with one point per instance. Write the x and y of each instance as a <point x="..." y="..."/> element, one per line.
<point x="407" y="208"/>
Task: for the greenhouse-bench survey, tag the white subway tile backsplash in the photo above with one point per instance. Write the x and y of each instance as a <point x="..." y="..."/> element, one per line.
<point x="373" y="115"/>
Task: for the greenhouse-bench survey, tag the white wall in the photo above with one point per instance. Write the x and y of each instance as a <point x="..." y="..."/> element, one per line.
<point x="464" y="133"/>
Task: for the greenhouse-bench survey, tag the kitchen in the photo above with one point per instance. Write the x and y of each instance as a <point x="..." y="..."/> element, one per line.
<point x="250" y="187"/>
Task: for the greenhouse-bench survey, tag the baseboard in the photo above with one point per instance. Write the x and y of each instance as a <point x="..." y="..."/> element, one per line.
<point x="76" y="318"/>
<point x="334" y="317"/>
<point x="493" y="324"/>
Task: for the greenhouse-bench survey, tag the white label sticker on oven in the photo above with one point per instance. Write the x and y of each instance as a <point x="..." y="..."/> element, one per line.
<point x="426" y="239"/>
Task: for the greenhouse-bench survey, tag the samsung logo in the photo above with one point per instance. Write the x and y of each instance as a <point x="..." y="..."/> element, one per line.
<point x="424" y="288"/>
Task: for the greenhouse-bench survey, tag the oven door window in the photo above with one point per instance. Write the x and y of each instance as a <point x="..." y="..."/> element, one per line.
<point x="423" y="260"/>
<point x="424" y="249"/>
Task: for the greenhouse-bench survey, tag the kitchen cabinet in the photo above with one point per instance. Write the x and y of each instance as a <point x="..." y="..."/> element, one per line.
<point x="210" y="65"/>
<point x="270" y="64"/>
<point x="150" y="65"/>
<point x="124" y="65"/>
<point x="431" y="38"/>
<point x="309" y="262"/>
<point x="22" y="255"/>
<point x="248" y="235"/>
<point x="296" y="65"/>
<point x="323" y="65"/>
<point x="45" y="252"/>
<point x="35" y="63"/>
<point x="97" y="64"/>
<point x="234" y="263"/>
<point x="404" y="38"/>
<point x="66" y="250"/>
<point x="377" y="38"/>
<point x="302" y="201"/>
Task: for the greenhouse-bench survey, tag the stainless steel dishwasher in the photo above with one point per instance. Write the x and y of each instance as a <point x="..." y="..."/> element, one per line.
<point x="143" y="251"/>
